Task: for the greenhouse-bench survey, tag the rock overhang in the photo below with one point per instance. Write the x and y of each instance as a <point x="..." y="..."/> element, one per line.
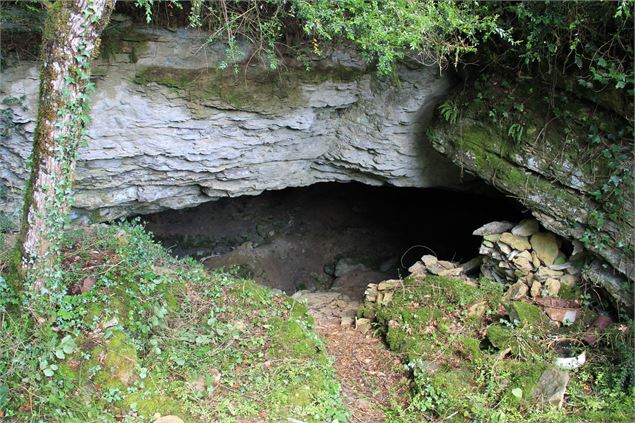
<point x="169" y="130"/>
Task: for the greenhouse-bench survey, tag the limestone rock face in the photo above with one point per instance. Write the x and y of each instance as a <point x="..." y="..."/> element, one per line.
<point x="169" y="131"/>
<point x="558" y="190"/>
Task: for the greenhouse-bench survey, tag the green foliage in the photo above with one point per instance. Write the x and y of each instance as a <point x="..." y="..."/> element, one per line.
<point x="591" y="40"/>
<point x="431" y="33"/>
<point x="462" y="370"/>
<point x="449" y="111"/>
<point x="428" y="32"/>
<point x="138" y="332"/>
<point x="591" y="43"/>
<point x="516" y="132"/>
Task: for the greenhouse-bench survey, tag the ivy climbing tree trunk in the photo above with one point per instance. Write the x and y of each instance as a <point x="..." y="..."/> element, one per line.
<point x="71" y="38"/>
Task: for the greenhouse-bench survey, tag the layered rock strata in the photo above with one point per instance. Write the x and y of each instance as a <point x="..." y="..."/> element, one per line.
<point x="169" y="130"/>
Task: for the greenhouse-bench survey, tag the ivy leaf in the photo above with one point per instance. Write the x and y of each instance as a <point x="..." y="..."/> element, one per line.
<point x="202" y="339"/>
<point x="578" y="61"/>
<point x="68" y="345"/>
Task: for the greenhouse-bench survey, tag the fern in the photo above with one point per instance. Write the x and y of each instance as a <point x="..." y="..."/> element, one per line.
<point x="516" y="132"/>
<point x="449" y="111"/>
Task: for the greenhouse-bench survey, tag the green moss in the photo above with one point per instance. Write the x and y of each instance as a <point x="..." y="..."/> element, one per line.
<point x="15" y="276"/>
<point x="529" y="315"/>
<point x="93" y="313"/>
<point x="117" y="307"/>
<point x="148" y="401"/>
<point x="583" y="321"/>
<point x="257" y="340"/>
<point x="117" y="359"/>
<point x="467" y="347"/>
<point x="337" y="73"/>
<point x="520" y="341"/>
<point x="366" y="311"/>
<point x="478" y="137"/>
<point x="248" y="293"/>
<point x="116" y="41"/>
<point x="490" y="154"/>
<point x="455" y="384"/>
<point x="171" y="289"/>
<point x="69" y="373"/>
<point x="262" y="93"/>
<point x="399" y="338"/>
<point x="421" y="320"/>
<point x="171" y="295"/>
<point x="570" y="292"/>
<point x="251" y="89"/>
<point x="297" y="311"/>
<point x="502" y="337"/>
<point x="520" y="374"/>
<point x="291" y="338"/>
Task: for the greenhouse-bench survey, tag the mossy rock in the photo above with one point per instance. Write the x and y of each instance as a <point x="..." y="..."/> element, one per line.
<point x="521" y="341"/>
<point x="407" y="320"/>
<point x="502" y="337"/>
<point x="366" y="311"/>
<point x="116" y="307"/>
<point x="529" y="315"/>
<point x="148" y="400"/>
<point x="456" y="385"/>
<point x="400" y="332"/>
<point x="520" y="374"/>
<point x="570" y="292"/>
<point x="251" y="89"/>
<point x="129" y="42"/>
<point x="260" y="92"/>
<point x="467" y="347"/>
<point x="117" y="358"/>
<point x="292" y="339"/>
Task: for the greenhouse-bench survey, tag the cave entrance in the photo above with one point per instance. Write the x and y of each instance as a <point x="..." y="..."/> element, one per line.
<point x="332" y="233"/>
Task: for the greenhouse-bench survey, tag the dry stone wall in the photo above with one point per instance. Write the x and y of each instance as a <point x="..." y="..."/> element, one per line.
<point x="529" y="259"/>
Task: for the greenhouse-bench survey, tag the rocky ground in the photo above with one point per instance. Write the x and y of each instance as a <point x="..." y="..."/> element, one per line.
<point x="453" y="332"/>
<point x="371" y="376"/>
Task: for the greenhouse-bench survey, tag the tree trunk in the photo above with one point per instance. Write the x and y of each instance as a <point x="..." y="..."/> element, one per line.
<point x="70" y="39"/>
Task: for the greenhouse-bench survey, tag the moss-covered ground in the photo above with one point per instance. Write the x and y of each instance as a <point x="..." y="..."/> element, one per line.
<point x="475" y="359"/>
<point x="141" y="333"/>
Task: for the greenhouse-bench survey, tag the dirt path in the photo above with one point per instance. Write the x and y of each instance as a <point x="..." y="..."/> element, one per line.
<point x="371" y="376"/>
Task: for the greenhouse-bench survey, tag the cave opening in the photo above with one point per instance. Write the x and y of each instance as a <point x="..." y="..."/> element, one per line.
<point x="328" y="234"/>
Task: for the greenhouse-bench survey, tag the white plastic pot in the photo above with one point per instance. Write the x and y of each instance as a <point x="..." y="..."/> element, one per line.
<point x="570" y="363"/>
